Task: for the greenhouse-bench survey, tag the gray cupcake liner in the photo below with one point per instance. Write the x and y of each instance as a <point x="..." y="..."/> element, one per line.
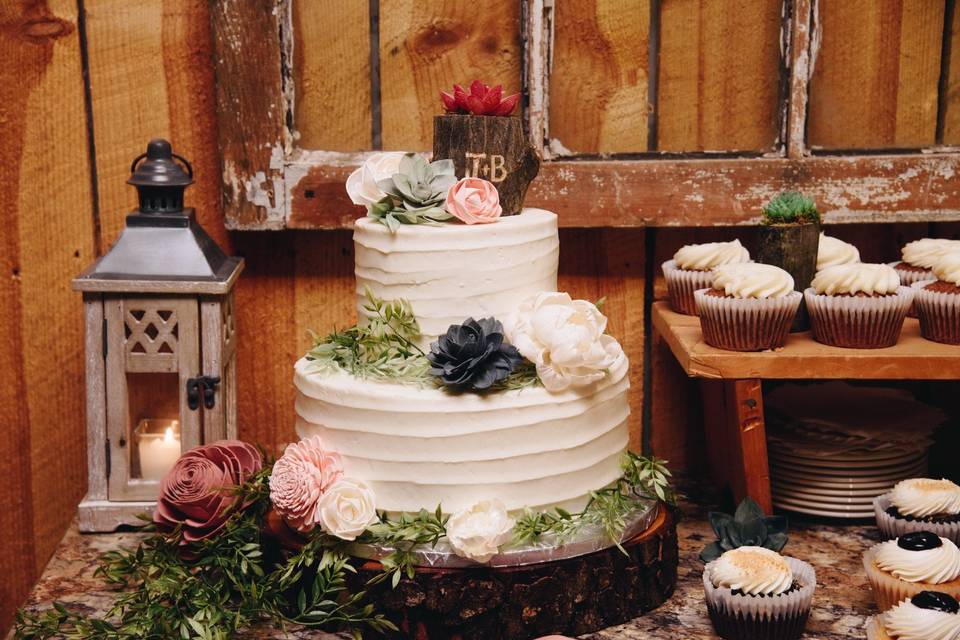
<point x="858" y="322"/>
<point x="681" y="283"/>
<point x="939" y="313"/>
<point x="891" y="527"/>
<point x="746" y="324"/>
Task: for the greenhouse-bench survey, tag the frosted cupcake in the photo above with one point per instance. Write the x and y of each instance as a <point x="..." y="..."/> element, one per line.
<point x="857" y="305"/>
<point x="919" y="256"/>
<point x="920" y="504"/>
<point x="690" y="269"/>
<point x="756" y="593"/>
<point x="748" y="307"/>
<point x="929" y="615"/>
<point x="938" y="302"/>
<point x="914" y="562"/>
<point x="833" y="251"/>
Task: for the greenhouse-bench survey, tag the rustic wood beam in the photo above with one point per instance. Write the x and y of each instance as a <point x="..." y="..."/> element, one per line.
<point x="799" y="69"/>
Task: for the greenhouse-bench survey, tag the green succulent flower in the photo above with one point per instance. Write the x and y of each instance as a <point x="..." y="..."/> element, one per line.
<point x="749" y="526"/>
<point x="416" y="193"/>
<point x="790" y="208"/>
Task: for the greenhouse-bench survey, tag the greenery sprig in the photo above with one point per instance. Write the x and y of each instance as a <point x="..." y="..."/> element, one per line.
<point x="409" y="531"/>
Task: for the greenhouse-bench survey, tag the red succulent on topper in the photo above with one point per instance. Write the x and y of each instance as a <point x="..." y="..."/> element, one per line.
<point x="483" y="100"/>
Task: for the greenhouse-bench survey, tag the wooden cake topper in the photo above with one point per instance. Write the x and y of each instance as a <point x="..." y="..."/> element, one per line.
<point x="485" y="141"/>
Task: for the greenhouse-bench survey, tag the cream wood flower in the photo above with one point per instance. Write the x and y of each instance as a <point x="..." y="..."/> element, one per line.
<point x="478" y="532"/>
<point x="362" y="183"/>
<point x="347" y="508"/>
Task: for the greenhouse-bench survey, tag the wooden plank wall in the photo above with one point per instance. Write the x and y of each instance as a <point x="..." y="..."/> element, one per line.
<point x="716" y="84"/>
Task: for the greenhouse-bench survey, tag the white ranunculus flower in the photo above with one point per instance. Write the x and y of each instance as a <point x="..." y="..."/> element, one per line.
<point x="362" y="183"/>
<point x="478" y="532"/>
<point x="347" y="508"/>
<point x="564" y="338"/>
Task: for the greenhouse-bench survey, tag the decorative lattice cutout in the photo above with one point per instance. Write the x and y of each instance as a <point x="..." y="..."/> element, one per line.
<point x="151" y="331"/>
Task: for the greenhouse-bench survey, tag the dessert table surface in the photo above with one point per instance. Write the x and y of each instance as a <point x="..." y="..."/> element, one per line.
<point x="841" y="604"/>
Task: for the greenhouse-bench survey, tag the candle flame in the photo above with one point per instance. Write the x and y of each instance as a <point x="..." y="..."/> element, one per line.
<point x="168" y="435"/>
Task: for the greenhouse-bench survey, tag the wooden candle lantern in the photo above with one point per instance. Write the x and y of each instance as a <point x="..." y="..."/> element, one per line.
<point x="160" y="345"/>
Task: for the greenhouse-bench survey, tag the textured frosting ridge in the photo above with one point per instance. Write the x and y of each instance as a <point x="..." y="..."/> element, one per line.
<point x="947" y="267"/>
<point x="752" y="280"/>
<point x="833" y="251"/>
<point x="925" y="497"/>
<point x="925" y="252"/>
<point x="703" y="257"/>
<point x="450" y="272"/>
<point x="418" y="447"/>
<point x="880" y="279"/>
<point x="932" y="566"/>
<point x="907" y="621"/>
<point x="752" y="570"/>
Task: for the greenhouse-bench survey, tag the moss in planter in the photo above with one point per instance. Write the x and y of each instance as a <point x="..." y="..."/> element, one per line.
<point x="791" y="208"/>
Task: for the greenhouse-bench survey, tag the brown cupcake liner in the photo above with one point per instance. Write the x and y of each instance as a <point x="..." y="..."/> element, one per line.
<point x="907" y="278"/>
<point x="681" y="283"/>
<point x="858" y="322"/>
<point x="745" y="324"/>
<point x="888" y="590"/>
<point x="891" y="527"/>
<point x="939" y="314"/>
<point x="780" y="617"/>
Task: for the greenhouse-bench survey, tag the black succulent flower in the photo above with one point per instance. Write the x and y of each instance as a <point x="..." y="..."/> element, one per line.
<point x="472" y="355"/>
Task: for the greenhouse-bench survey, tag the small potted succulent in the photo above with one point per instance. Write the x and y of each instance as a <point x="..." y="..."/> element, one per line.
<point x="484" y="140"/>
<point x="788" y="238"/>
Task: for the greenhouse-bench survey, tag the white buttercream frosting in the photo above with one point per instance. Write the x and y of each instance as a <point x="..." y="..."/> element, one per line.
<point x="925" y="252"/>
<point x="832" y="251"/>
<point x="932" y="566"/>
<point x="454" y="271"/>
<point x="906" y="621"/>
<point x="947" y="267"/>
<point x="925" y="497"/>
<point x="880" y="279"/>
<point x="752" y="570"/>
<point x="752" y="280"/>
<point x="703" y="257"/>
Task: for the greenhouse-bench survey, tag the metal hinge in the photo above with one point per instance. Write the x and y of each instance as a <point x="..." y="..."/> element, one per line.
<point x="205" y="386"/>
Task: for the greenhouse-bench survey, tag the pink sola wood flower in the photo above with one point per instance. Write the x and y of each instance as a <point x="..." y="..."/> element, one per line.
<point x="474" y="201"/>
<point x="482" y="100"/>
<point x="199" y="492"/>
<point x="300" y="478"/>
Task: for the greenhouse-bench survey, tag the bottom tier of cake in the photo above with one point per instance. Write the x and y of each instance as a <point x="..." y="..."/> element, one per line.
<point x="419" y="447"/>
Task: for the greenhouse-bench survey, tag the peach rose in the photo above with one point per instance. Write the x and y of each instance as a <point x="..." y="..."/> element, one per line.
<point x="474" y="201"/>
<point x="300" y="478"/>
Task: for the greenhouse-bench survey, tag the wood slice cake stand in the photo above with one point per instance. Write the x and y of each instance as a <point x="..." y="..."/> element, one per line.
<point x="573" y="596"/>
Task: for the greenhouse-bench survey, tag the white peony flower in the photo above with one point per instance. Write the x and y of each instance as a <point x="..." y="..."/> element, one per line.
<point x="362" y="183"/>
<point x="478" y="532"/>
<point x="347" y="508"/>
<point x="564" y="338"/>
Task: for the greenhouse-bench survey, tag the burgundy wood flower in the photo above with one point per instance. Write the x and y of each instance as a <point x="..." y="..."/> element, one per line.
<point x="482" y="100"/>
<point x="199" y="492"/>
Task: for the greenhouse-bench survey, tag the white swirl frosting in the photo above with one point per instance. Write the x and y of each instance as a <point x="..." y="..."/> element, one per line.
<point x="857" y="277"/>
<point x="832" y="251"/>
<point x="947" y="267"/>
<point x="932" y="566"/>
<point x="752" y="570"/>
<point x="752" y="280"/>
<point x="925" y="252"/>
<point x="925" y="497"/>
<point x="703" y="257"/>
<point x="907" y="621"/>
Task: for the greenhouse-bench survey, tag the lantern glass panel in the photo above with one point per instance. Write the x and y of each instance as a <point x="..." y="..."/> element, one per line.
<point x="154" y="424"/>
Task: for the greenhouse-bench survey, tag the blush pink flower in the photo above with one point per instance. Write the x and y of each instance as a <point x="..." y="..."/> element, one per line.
<point x="300" y="478"/>
<point x="474" y="201"/>
<point x="199" y="492"/>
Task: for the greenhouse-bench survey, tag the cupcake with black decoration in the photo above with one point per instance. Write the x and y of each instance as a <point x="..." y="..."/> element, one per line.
<point x="919" y="256"/>
<point x="751" y="590"/>
<point x="929" y="615"/>
<point x="914" y="562"/>
<point x="920" y="504"/>
<point x="938" y="302"/>
<point x="691" y="269"/>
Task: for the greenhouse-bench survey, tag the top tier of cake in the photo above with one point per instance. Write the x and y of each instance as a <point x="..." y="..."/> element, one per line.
<point x="452" y="272"/>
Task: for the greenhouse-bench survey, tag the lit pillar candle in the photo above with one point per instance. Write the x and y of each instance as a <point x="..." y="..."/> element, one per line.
<point x="158" y="453"/>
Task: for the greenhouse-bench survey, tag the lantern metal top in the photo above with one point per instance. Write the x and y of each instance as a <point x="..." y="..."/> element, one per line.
<point x="162" y="249"/>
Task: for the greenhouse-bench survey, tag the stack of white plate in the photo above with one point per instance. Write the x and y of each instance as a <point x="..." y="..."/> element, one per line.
<point x="834" y="448"/>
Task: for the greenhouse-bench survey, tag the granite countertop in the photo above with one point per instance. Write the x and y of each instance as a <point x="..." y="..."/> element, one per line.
<point x="841" y="604"/>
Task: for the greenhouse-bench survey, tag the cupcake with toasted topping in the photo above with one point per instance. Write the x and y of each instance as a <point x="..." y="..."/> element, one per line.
<point x="929" y="615"/>
<point x="858" y="305"/>
<point x="938" y="301"/>
<point x="919" y="256"/>
<point x="748" y="307"/>
<point x="914" y="562"/>
<point x="833" y="251"/>
<point x="691" y="269"/>
<point x="920" y="504"/>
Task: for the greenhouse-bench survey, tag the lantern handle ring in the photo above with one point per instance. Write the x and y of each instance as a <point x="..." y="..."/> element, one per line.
<point x="177" y="156"/>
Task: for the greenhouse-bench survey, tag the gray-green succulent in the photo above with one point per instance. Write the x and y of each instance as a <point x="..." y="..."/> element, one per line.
<point x="749" y="526"/>
<point x="416" y="193"/>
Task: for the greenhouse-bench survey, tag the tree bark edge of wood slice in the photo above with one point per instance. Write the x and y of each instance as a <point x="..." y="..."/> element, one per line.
<point x="490" y="147"/>
<point x="572" y="596"/>
<point x="793" y="248"/>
